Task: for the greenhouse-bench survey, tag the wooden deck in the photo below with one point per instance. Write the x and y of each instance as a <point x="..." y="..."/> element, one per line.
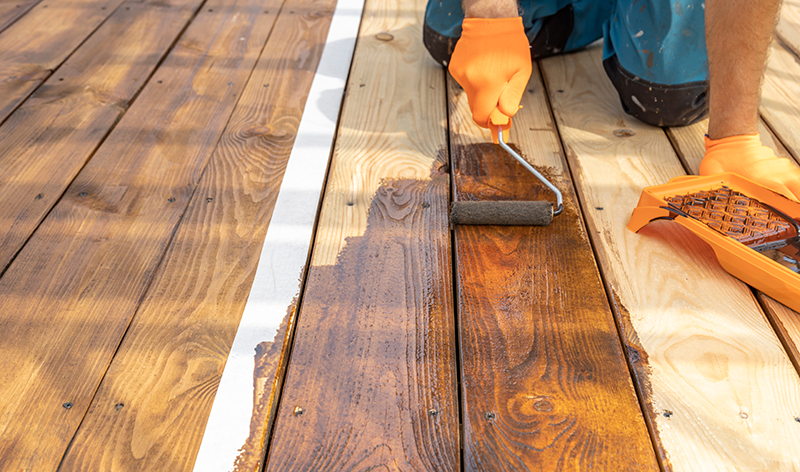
<point x="224" y="246"/>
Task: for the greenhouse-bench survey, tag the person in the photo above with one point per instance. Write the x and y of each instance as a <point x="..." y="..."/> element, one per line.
<point x="672" y="64"/>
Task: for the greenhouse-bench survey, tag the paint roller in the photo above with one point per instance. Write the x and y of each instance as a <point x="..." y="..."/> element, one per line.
<point x="508" y="213"/>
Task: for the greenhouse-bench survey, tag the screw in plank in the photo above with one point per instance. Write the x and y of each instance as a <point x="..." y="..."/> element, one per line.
<point x="623" y="133"/>
<point x="82" y="194"/>
<point x="209" y="199"/>
<point x="490" y="416"/>
<point x="433" y="412"/>
<point x="298" y="411"/>
<point x="171" y="199"/>
<point x="797" y="418"/>
<point x="39" y="197"/>
<point x="743" y="415"/>
<point x="350" y="204"/>
<point x="667" y="413"/>
<point x="119" y="406"/>
<point x="426" y="205"/>
<point x="598" y="208"/>
<point x="67" y="405"/>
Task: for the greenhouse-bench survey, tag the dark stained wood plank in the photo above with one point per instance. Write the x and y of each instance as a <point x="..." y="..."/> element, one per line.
<point x="11" y="10"/>
<point x="545" y="383"/>
<point x="37" y="43"/>
<point x="371" y="382"/>
<point x="185" y="326"/>
<point x="71" y="292"/>
<point x="46" y="141"/>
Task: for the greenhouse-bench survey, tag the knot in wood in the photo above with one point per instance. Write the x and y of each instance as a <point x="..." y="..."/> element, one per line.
<point x="384" y="36"/>
<point x="623" y="133"/>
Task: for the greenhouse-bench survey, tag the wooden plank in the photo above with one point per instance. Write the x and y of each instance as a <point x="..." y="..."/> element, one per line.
<point x="184" y="333"/>
<point x="689" y="144"/>
<point x="719" y="391"/>
<point x="788" y="27"/>
<point x="46" y="142"/>
<point x="371" y="381"/>
<point x="545" y="382"/>
<point x="71" y="292"/>
<point x="240" y="416"/>
<point x="37" y="43"/>
<point x="11" y="10"/>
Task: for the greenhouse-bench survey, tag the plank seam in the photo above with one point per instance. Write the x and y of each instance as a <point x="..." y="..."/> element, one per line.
<point x="66" y="58"/>
<point x="21" y="15"/>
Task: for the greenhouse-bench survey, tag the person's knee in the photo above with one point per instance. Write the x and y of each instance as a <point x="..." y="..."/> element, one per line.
<point x="658" y="104"/>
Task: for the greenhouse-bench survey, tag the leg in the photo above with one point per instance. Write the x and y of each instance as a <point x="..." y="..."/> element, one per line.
<point x="655" y="55"/>
<point x="738" y="36"/>
<point x="552" y="26"/>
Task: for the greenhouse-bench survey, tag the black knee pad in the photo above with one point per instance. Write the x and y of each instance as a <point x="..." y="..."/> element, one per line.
<point x="658" y="104"/>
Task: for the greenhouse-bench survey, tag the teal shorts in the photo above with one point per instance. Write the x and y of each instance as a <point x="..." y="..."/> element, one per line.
<point x="654" y="51"/>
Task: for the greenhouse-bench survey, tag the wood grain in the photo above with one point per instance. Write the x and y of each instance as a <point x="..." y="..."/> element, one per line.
<point x="71" y="292"/>
<point x="788" y="27"/>
<point x="689" y="145"/>
<point x="719" y="391"/>
<point x="187" y="321"/>
<point x="46" y="142"/>
<point x="371" y="381"/>
<point x="545" y="382"/>
<point x="37" y="43"/>
<point x="11" y="10"/>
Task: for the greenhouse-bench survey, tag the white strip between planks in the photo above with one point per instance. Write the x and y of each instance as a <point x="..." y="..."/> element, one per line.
<point x="287" y="244"/>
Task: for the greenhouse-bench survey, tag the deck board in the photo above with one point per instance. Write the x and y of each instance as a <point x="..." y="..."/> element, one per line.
<point x="542" y="363"/>
<point x="371" y="382"/>
<point x="48" y="140"/>
<point x="71" y="292"/>
<point x="186" y="333"/>
<point x="11" y="10"/>
<point x="40" y="41"/>
<point x="715" y="380"/>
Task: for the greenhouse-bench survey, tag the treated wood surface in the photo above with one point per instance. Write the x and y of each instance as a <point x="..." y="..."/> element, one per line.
<point x="11" y="10"/>
<point x="71" y="292"/>
<point x="718" y="389"/>
<point x="542" y="365"/>
<point x="183" y="332"/>
<point x="371" y="381"/>
<point x="37" y="43"/>
<point x="46" y="142"/>
<point x="241" y="413"/>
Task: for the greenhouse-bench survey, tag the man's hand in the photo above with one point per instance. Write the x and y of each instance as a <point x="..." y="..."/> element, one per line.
<point x="744" y="155"/>
<point x="492" y="62"/>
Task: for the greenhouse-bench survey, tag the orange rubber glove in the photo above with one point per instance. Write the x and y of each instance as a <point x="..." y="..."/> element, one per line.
<point x="492" y="63"/>
<point x="744" y="155"/>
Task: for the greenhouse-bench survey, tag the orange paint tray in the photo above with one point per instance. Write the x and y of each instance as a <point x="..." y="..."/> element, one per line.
<point x="751" y="228"/>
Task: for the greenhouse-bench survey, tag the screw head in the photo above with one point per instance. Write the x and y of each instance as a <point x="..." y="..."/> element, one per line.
<point x="667" y="413"/>
<point x="433" y="412"/>
<point x="298" y="411"/>
<point x="119" y="406"/>
<point x="489" y="415"/>
<point x="67" y="405"/>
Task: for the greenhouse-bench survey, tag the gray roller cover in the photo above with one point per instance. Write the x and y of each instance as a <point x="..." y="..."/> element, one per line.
<point x="505" y="213"/>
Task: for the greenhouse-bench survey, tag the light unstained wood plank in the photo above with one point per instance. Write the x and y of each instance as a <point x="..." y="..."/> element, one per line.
<point x="788" y="27"/>
<point x="688" y="142"/>
<point x="186" y="324"/>
<point x="719" y="390"/>
<point x="46" y="141"/>
<point x="780" y="93"/>
<point x="545" y="382"/>
<point x="371" y="382"/>
<point x="11" y="10"/>
<point x="37" y="43"/>
<point x="71" y="292"/>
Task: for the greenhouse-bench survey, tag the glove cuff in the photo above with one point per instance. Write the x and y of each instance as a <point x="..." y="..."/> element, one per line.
<point x="733" y="142"/>
<point x="493" y="29"/>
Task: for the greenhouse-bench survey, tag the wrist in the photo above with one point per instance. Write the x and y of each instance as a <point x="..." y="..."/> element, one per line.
<point x="490" y="8"/>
